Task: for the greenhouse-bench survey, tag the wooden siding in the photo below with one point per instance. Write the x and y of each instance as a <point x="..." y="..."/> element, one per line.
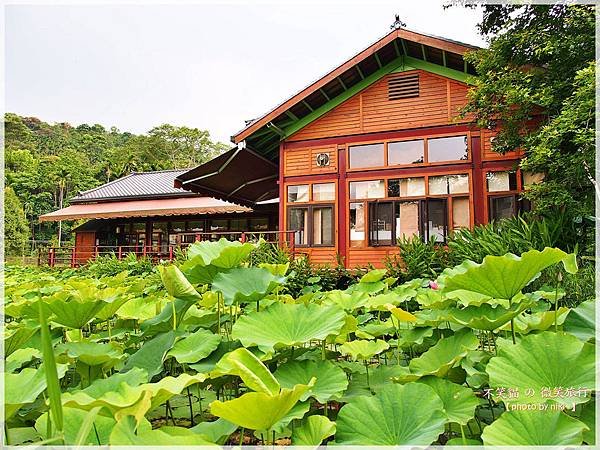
<point x="319" y="256"/>
<point x="488" y="154"/>
<point x="375" y="256"/>
<point x="302" y="161"/>
<point x="371" y="111"/>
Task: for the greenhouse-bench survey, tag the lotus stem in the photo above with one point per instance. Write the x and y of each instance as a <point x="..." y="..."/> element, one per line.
<point x="189" y="396"/>
<point x="512" y="330"/>
<point x="323" y="351"/>
<point x="174" y="315"/>
<point x="462" y="432"/>
<point x="96" y="433"/>
<point x="242" y="436"/>
<point x="558" y="278"/>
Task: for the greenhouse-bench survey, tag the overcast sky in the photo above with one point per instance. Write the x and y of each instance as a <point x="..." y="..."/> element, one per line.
<point x="204" y="65"/>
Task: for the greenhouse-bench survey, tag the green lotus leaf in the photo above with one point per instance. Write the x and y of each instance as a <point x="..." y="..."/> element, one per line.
<point x="442" y="356"/>
<point x="361" y="349"/>
<point x="217" y="431"/>
<point x="16" y="338"/>
<point x="524" y="428"/>
<point x="504" y="276"/>
<point x="414" y="335"/>
<point x="380" y="302"/>
<point x="581" y="321"/>
<point x="74" y="309"/>
<point x="410" y="414"/>
<point x="544" y="361"/>
<point x="540" y="321"/>
<point x="373" y="276"/>
<point x="210" y="362"/>
<point x="470" y="298"/>
<point x="276" y="269"/>
<point x="73" y="420"/>
<point x="462" y="442"/>
<point x="19" y="357"/>
<point x="485" y="316"/>
<point x="331" y="381"/>
<point x="257" y="410"/>
<point x="378" y="378"/>
<point x="195" y="346"/>
<point x="459" y="402"/>
<point x="313" y="430"/>
<point x="141" y="308"/>
<point x="588" y="417"/>
<point x="432" y="299"/>
<point x="114" y="300"/>
<point x="125" y="433"/>
<point x="151" y="354"/>
<point x="374" y="330"/>
<point x="281" y="428"/>
<point x="430" y="317"/>
<point x="92" y="353"/>
<point x="24" y="387"/>
<point x="250" y="369"/>
<point x="350" y="326"/>
<point x="222" y="253"/>
<point x="177" y="284"/>
<point x="288" y="324"/>
<point x="400" y="315"/>
<point x="474" y="365"/>
<point x="245" y="284"/>
<point x="347" y="301"/>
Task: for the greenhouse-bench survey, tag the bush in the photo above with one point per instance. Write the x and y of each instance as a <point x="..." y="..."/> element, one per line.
<point x="305" y="277"/>
<point x="110" y="265"/>
<point x="418" y="259"/>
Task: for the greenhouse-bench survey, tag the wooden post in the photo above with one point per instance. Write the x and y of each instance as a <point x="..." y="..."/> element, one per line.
<point x="170" y="253"/>
<point x="243" y="237"/>
<point x="72" y="256"/>
<point x="51" y="257"/>
<point x="96" y="251"/>
<point x="120" y="257"/>
<point x="144" y="250"/>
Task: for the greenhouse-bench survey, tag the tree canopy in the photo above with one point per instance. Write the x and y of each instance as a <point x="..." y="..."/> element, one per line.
<point x="535" y="86"/>
<point x="45" y="163"/>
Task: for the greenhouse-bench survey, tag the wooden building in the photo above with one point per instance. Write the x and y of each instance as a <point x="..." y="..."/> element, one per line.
<point x="372" y="151"/>
<point x="144" y="214"/>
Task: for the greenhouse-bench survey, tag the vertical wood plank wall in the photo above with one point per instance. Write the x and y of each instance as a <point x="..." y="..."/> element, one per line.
<point x="370" y="116"/>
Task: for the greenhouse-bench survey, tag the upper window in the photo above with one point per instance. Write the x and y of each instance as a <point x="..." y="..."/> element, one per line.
<point x="297" y="194"/>
<point x="449" y="184"/>
<point x="453" y="148"/>
<point x="406" y="152"/>
<point x="367" y="189"/>
<point x="323" y="191"/>
<point x="406" y="187"/>
<point x="369" y="155"/>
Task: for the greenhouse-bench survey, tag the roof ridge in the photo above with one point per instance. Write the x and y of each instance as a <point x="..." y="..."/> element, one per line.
<point x="160" y="171"/>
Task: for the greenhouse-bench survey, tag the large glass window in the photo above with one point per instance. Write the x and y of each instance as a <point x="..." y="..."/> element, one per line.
<point x="452" y="148"/>
<point x="408" y="219"/>
<point x="502" y="207"/>
<point x="357" y="224"/>
<point x="367" y="189"/>
<point x="436" y="219"/>
<point x="323" y="191"/>
<point x="369" y="155"/>
<point x="406" y="187"/>
<point x="322" y="226"/>
<point x="298" y="221"/>
<point x="501" y="181"/>
<point x="297" y="194"/>
<point x="406" y="152"/>
<point x="461" y="213"/>
<point x="449" y="184"/>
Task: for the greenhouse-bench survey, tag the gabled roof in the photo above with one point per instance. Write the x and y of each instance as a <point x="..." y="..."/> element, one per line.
<point x="401" y="49"/>
<point x="136" y="185"/>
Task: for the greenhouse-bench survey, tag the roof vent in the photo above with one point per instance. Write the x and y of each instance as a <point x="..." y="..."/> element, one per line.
<point x="403" y="86"/>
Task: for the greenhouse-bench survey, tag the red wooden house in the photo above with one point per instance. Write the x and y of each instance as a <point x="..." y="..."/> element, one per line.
<point x="372" y="151"/>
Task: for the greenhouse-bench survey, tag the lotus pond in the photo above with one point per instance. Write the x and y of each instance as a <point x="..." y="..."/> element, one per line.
<point x="213" y="351"/>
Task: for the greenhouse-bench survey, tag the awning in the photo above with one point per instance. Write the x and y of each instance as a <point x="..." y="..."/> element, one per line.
<point x="144" y="208"/>
<point x="239" y="175"/>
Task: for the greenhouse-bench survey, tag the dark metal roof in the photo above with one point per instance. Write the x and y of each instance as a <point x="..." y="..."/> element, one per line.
<point x="137" y="185"/>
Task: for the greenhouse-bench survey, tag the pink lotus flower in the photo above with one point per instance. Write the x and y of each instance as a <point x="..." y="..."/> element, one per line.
<point x="433" y="285"/>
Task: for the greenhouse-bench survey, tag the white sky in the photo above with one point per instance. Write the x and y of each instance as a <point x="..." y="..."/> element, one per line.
<point x="208" y="65"/>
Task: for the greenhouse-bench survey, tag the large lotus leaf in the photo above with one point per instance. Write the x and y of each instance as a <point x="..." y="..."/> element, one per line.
<point x="440" y="358"/>
<point x="380" y="302"/>
<point x="378" y="378"/>
<point x="459" y="402"/>
<point x="113" y="303"/>
<point x="288" y="324"/>
<point x="373" y="276"/>
<point x="171" y="316"/>
<point x="485" y="317"/>
<point x="177" y="284"/>
<point x="195" y="347"/>
<point x="73" y="421"/>
<point x="74" y="310"/>
<point x="276" y="269"/>
<point x="24" y="387"/>
<point x="474" y="365"/>
<point x="217" y="431"/>
<point x="374" y="330"/>
<point x="142" y="309"/>
<point x="20" y="357"/>
<point x="250" y="369"/>
<point x="400" y="315"/>
<point x="245" y="284"/>
<point x="125" y="433"/>
<point x="92" y="353"/>
<point x="222" y="253"/>
<point x="257" y="410"/>
<point x="413" y="335"/>
<point x="588" y="417"/>
<point x="432" y="299"/>
<point x="544" y="361"/>
<point x="581" y="321"/>
<point x="505" y="276"/>
<point x="151" y="354"/>
<point x="331" y="381"/>
<point x="345" y="300"/>
<point x="524" y="428"/>
<point x="124" y="394"/>
<point x="410" y="414"/>
<point x="210" y="362"/>
<point x="539" y="321"/>
<point x="313" y="430"/>
<point x="15" y="339"/>
<point x="362" y="349"/>
<point x="281" y="428"/>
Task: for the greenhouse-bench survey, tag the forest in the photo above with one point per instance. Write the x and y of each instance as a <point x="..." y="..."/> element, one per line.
<point x="47" y="164"/>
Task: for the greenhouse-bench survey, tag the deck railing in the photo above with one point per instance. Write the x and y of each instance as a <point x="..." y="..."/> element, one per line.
<point x="79" y="255"/>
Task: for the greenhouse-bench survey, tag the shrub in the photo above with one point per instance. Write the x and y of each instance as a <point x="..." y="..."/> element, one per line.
<point x="110" y="265"/>
<point x="418" y="259"/>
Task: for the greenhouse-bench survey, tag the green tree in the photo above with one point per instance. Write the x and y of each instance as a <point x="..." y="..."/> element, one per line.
<point x="535" y="86"/>
<point x="16" y="229"/>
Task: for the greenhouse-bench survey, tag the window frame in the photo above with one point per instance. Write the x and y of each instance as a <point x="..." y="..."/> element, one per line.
<point x="309" y="208"/>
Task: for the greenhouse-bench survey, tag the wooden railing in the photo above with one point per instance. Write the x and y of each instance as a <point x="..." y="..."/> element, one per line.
<point x="79" y="255"/>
